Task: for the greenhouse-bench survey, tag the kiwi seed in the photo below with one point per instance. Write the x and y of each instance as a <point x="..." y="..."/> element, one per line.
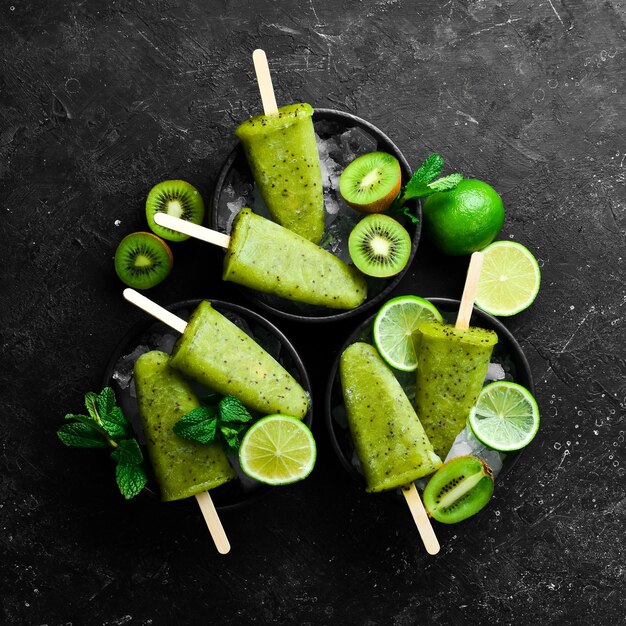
<point x="459" y="489"/>
<point x="142" y="260"/>
<point x="371" y="182"/>
<point x="177" y="198"/>
<point x="379" y="246"/>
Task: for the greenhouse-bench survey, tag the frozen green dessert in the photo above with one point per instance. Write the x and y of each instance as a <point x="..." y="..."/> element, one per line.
<point x="267" y="257"/>
<point x="451" y="368"/>
<point x="218" y="354"/>
<point x="182" y="468"/>
<point x="389" y="440"/>
<point x="282" y="154"/>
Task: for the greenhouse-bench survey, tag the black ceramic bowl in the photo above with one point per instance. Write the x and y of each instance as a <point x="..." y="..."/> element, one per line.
<point x="507" y="352"/>
<point x="151" y="335"/>
<point x="345" y="137"/>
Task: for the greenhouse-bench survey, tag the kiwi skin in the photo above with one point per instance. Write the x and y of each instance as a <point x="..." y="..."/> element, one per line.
<point x="153" y="249"/>
<point x="373" y="262"/>
<point x="466" y="481"/>
<point x="188" y="206"/>
<point x="382" y="162"/>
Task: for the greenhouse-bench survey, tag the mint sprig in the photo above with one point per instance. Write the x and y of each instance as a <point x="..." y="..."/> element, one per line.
<point x="106" y="426"/>
<point x="423" y="184"/>
<point x="222" y="423"/>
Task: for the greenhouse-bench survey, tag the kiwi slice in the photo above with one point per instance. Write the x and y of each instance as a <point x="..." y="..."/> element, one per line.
<point x="379" y="246"/>
<point x="143" y="260"/>
<point x="371" y="182"/>
<point x="458" y="489"/>
<point x="177" y="198"/>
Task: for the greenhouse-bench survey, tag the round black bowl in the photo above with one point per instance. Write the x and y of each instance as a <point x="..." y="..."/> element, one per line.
<point x="347" y="136"/>
<point x="156" y="336"/>
<point x="506" y="351"/>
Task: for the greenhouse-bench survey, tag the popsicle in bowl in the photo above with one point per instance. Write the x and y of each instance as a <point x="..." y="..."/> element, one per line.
<point x="240" y="368"/>
<point x="182" y="468"/>
<point x="281" y="151"/>
<point x="388" y="437"/>
<point x="452" y="362"/>
<point x="217" y="353"/>
<point x="263" y="255"/>
<point x="389" y="440"/>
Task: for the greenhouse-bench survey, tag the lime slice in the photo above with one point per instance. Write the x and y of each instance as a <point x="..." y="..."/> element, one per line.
<point x="395" y="329"/>
<point x="278" y="450"/>
<point x="506" y="416"/>
<point x="509" y="280"/>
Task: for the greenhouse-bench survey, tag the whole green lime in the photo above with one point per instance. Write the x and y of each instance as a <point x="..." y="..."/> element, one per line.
<point x="465" y="219"/>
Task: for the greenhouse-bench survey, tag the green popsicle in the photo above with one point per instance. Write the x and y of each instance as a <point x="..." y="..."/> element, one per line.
<point x="388" y="437"/>
<point x="451" y="368"/>
<point x="182" y="468"/>
<point x="218" y="354"/>
<point x="282" y="154"/>
<point x="267" y="257"/>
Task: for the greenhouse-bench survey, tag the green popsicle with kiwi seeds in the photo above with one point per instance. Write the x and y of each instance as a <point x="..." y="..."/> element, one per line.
<point x="217" y="353"/>
<point x="265" y="256"/>
<point x="282" y="154"/>
<point x="389" y="440"/>
<point x="451" y="368"/>
<point x="182" y="468"/>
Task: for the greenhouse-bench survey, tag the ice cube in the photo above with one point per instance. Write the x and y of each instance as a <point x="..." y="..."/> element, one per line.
<point x="354" y="142"/>
<point x="466" y="443"/>
<point x="495" y="371"/>
<point x="123" y="370"/>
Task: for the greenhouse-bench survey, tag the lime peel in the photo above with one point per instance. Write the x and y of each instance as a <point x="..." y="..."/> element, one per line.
<point x="395" y="330"/>
<point x="509" y="280"/>
<point x="505" y="417"/>
<point x="278" y="450"/>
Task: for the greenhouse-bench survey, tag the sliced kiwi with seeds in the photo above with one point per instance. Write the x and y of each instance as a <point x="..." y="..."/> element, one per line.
<point x="177" y="198"/>
<point x="458" y="489"/>
<point x="371" y="182"/>
<point x="379" y="246"/>
<point x="143" y="260"/>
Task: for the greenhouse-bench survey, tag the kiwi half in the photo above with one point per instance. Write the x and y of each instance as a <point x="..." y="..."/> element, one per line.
<point x="371" y="182"/>
<point x="458" y="489"/>
<point x="177" y="198"/>
<point x="379" y="246"/>
<point x="143" y="260"/>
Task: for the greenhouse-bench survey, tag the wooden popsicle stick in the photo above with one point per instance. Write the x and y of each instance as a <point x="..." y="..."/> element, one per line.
<point x="213" y="522"/>
<point x="203" y="499"/>
<point x="469" y="292"/>
<point x="193" y="230"/>
<point x="152" y="308"/>
<point x="421" y="519"/>
<point x="264" y="79"/>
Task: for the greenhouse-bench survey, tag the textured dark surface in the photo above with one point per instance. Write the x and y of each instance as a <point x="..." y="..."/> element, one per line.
<point x="98" y="101"/>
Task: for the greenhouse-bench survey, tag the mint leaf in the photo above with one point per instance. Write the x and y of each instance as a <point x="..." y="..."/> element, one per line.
<point x="445" y="183"/>
<point x="131" y="479"/>
<point x="81" y="435"/>
<point x="92" y="409"/>
<point x="106" y="426"/>
<point x="200" y="425"/>
<point x="232" y="410"/>
<point x="116" y="424"/>
<point x="130" y="475"/>
<point x="105" y="402"/>
<point x="127" y="452"/>
<point x="419" y="190"/>
<point x="429" y="169"/>
<point x="423" y="184"/>
<point x="231" y="436"/>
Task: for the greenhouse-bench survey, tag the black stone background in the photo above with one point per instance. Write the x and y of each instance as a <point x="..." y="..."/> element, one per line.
<point x="100" y="100"/>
